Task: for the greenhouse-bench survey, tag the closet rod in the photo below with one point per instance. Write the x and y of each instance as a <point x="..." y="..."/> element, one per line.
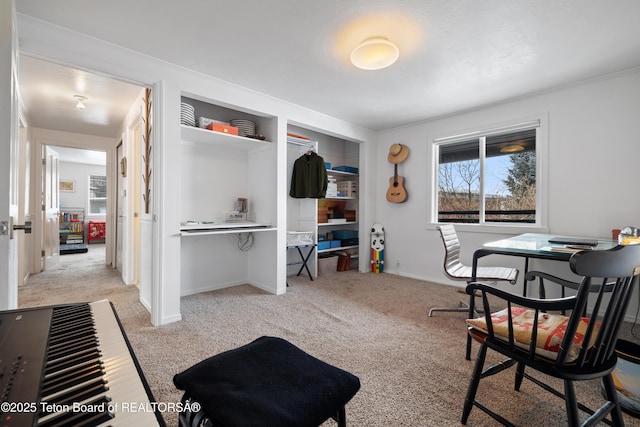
<point x="303" y="144"/>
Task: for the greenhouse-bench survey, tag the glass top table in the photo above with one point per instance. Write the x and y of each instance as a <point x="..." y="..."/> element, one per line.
<point x="534" y="245"/>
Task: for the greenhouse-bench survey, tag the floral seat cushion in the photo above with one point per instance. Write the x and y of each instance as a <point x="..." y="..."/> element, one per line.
<point x="551" y="329"/>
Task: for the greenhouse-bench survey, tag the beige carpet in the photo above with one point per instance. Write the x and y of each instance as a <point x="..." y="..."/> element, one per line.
<point x="411" y="367"/>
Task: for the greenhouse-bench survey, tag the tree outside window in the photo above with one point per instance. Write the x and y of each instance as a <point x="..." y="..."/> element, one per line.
<point x="488" y="178"/>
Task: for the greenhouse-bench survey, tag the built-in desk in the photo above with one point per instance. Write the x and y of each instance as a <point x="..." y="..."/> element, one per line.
<point x="220" y="255"/>
<point x="198" y="229"/>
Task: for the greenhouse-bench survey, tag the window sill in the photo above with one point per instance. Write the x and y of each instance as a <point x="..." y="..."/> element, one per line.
<point x="495" y="228"/>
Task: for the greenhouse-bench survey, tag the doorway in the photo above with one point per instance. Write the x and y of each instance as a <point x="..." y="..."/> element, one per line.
<point x="82" y="200"/>
<point x="78" y="130"/>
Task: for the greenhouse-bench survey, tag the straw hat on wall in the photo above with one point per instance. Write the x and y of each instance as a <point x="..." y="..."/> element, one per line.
<point x="398" y="153"/>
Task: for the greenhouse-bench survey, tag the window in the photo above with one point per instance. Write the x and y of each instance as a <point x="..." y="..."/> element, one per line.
<point x="489" y="177"/>
<point x="97" y="195"/>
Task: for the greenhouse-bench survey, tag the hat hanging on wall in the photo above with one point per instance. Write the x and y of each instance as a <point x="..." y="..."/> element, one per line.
<point x="398" y="153"/>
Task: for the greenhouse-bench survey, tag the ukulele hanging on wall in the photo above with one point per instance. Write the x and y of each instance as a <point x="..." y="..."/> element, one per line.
<point x="396" y="193"/>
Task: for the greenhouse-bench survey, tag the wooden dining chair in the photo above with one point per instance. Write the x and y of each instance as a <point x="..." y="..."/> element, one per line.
<point x="535" y="335"/>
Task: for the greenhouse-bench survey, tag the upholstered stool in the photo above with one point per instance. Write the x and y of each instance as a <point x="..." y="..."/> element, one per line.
<point x="268" y="382"/>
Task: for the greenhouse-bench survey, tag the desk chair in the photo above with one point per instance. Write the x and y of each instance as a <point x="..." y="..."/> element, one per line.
<point x="579" y="346"/>
<point x="455" y="270"/>
<point x="268" y="382"/>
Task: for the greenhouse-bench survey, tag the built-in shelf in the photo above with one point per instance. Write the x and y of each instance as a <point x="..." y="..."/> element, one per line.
<point x="332" y="171"/>
<point x="342" y="248"/>
<point x="215" y="139"/>
<point x="326" y="224"/>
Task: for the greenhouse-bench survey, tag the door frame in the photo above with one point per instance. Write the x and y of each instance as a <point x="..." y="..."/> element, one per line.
<point x="50" y="139"/>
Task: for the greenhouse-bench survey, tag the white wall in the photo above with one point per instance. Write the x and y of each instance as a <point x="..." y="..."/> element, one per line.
<point x="593" y="155"/>
<point x="79" y="172"/>
<point x="169" y="83"/>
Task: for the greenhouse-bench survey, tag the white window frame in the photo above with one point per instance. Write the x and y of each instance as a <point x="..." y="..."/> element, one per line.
<point x="89" y="198"/>
<point x="540" y="123"/>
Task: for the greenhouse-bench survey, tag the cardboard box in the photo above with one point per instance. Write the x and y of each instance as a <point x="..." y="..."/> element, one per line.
<point x="350" y="215"/>
<point x="323" y="215"/>
<point x="218" y="127"/>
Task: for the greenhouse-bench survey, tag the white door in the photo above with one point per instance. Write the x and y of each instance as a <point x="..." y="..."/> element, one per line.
<point x="51" y="208"/>
<point x="9" y="157"/>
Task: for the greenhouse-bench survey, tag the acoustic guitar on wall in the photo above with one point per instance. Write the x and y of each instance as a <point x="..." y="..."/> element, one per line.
<point x="396" y="193"/>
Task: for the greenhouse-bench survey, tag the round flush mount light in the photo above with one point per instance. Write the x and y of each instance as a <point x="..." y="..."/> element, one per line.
<point x="512" y="148"/>
<point x="80" y="105"/>
<point x="374" y="54"/>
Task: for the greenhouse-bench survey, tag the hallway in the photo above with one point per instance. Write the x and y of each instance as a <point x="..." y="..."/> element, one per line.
<point x="73" y="279"/>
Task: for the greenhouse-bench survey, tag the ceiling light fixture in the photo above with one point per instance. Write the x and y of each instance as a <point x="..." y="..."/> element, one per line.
<point x="512" y="148"/>
<point x="80" y="105"/>
<point x="374" y="53"/>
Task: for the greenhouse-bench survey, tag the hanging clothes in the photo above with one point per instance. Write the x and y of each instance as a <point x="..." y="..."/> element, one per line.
<point x="309" y="178"/>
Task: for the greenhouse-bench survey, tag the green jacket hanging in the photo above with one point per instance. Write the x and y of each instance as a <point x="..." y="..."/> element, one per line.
<point x="309" y="178"/>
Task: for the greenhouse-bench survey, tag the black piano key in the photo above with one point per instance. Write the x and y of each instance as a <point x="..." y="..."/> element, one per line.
<point x="75" y="346"/>
<point x="61" y="338"/>
<point x="84" y="419"/>
<point x="92" y="389"/>
<point x="69" y="362"/>
<point x="72" y="378"/>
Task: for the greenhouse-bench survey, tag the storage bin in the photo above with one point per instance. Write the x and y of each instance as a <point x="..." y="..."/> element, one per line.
<point x="350" y="242"/>
<point x="349" y="169"/>
<point x="324" y="245"/>
<point x="348" y="188"/>
<point x="345" y="234"/>
<point x="218" y="127"/>
<point x="299" y="238"/>
<point x="335" y="243"/>
<point x="327" y="265"/>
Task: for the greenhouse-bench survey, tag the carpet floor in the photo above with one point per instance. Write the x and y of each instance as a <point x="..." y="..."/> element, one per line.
<point x="411" y="366"/>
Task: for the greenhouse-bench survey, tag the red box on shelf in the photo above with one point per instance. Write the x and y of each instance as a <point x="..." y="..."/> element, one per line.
<point x="219" y="127"/>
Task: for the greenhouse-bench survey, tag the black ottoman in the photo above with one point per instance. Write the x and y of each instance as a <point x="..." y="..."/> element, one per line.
<point x="268" y="382"/>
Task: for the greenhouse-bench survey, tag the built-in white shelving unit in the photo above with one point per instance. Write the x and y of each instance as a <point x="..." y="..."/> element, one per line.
<point x="217" y="169"/>
<point x="303" y="214"/>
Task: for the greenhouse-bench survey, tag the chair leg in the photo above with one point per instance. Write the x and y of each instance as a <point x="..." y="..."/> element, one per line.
<point x="612" y="396"/>
<point x="461" y="307"/>
<point x="473" y="385"/>
<point x="571" y="404"/>
<point x="519" y="376"/>
<point x="341" y="417"/>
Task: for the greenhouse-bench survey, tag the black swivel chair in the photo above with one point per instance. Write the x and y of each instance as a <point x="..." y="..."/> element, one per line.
<point x="534" y="334"/>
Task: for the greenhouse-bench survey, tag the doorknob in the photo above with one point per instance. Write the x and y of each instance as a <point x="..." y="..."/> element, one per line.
<point x="7" y="227"/>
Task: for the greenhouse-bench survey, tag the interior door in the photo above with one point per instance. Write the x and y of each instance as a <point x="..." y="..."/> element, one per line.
<point x="9" y="155"/>
<point x="51" y="211"/>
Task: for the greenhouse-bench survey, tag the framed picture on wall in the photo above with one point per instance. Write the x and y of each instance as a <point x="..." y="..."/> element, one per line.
<point x="67" y="185"/>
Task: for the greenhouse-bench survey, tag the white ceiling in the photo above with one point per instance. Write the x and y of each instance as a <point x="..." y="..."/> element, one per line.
<point x="48" y="91"/>
<point x="455" y="55"/>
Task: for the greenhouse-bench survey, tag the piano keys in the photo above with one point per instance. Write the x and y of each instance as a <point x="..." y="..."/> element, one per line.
<point x="71" y="365"/>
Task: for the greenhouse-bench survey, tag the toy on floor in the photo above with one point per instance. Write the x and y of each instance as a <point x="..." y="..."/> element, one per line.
<point x="377" y="248"/>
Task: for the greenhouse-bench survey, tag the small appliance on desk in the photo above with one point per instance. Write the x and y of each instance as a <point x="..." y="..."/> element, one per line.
<point x="629" y="236"/>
